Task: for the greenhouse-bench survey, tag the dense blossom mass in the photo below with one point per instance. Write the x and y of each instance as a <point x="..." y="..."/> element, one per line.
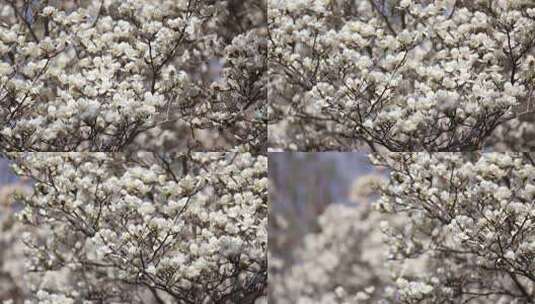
<point x="145" y="228"/>
<point x="138" y="130"/>
<point x="113" y="75"/>
<point x="447" y="228"/>
<point x="402" y="75"/>
<point x="472" y="218"/>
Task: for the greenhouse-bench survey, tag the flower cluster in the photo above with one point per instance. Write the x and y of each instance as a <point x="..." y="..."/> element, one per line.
<point x="114" y="75"/>
<point x="147" y="227"/>
<point x="451" y="228"/>
<point x="403" y="75"/>
<point x="471" y="217"/>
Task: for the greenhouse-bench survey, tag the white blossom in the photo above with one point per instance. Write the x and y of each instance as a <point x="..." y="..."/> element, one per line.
<point x="120" y="223"/>
<point x="116" y="75"/>
<point x="409" y="75"/>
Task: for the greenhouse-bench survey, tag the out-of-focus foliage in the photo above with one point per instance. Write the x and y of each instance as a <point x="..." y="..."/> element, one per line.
<point x="302" y="187"/>
<point x="12" y="284"/>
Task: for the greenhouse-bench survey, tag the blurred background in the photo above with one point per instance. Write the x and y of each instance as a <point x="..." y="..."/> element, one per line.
<point x="7" y="177"/>
<point x="11" y="264"/>
<point x="319" y="218"/>
<point x="303" y="185"/>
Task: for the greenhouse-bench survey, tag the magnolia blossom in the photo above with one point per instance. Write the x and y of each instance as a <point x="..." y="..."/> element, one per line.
<point x="146" y="227"/>
<point x="447" y="228"/>
<point x="399" y="75"/>
<point x="471" y="217"/>
<point x="116" y="75"/>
